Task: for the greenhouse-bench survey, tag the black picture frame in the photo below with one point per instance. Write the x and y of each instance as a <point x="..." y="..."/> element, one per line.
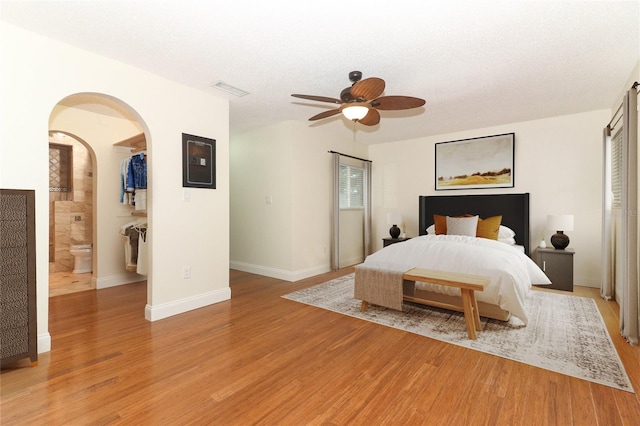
<point x="198" y="162"/>
<point x="475" y="163"/>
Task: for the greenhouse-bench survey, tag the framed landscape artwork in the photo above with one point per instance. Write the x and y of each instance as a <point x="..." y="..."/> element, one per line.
<point x="484" y="162"/>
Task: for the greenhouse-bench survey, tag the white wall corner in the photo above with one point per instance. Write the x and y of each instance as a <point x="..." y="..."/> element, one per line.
<point x="44" y="342"/>
<point x="116" y="280"/>
<point x="280" y="274"/>
<point x="165" y="310"/>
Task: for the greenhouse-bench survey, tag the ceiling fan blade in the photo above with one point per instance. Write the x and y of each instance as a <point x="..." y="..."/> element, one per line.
<point x="367" y="89"/>
<point x="397" y="102"/>
<point x="318" y="98"/>
<point x="371" y="119"/>
<point x="325" y="114"/>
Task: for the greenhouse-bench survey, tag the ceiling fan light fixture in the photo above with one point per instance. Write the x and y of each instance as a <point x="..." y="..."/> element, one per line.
<point x="356" y="111"/>
<point x="362" y="101"/>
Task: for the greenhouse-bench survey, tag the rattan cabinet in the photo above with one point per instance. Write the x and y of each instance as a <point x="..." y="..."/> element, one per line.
<point x="18" y="326"/>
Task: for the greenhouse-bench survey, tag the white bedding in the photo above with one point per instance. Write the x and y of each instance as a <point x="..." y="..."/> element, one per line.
<point x="511" y="271"/>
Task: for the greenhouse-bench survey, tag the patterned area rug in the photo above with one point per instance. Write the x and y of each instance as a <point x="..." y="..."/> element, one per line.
<point x="566" y="334"/>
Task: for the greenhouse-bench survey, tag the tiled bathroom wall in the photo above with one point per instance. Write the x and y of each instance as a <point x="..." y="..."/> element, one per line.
<point x="71" y="213"/>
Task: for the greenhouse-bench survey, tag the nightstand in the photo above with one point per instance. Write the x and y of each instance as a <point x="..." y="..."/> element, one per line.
<point x="389" y="241"/>
<point x="558" y="266"/>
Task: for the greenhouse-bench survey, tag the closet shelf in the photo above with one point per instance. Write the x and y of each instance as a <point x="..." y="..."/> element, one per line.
<point x="140" y="213"/>
<point x="137" y="143"/>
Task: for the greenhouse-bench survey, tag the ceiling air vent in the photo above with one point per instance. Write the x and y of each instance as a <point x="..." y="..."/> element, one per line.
<point x="230" y="89"/>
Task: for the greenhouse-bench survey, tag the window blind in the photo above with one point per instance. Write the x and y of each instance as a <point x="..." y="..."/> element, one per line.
<point x="616" y="170"/>
<point x="351" y="186"/>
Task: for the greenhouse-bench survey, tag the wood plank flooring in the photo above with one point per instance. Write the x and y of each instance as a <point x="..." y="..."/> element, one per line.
<point x="67" y="282"/>
<point x="262" y="359"/>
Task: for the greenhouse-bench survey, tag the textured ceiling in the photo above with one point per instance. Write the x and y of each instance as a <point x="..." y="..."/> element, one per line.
<point x="477" y="63"/>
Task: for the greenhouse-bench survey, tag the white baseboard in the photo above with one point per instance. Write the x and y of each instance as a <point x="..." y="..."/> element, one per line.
<point x="586" y="281"/>
<point x="280" y="274"/>
<point x="44" y="342"/>
<point x="116" y="280"/>
<point x="351" y="262"/>
<point x="165" y="310"/>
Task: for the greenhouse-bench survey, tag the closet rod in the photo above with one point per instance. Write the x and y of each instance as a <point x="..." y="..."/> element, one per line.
<point x="350" y="156"/>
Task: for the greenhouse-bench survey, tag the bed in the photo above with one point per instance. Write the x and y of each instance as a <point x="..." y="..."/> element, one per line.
<point x="511" y="270"/>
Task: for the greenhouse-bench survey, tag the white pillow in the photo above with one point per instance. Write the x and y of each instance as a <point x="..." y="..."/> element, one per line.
<point x="505" y="233"/>
<point x="510" y="241"/>
<point x="462" y="226"/>
<point x="431" y="229"/>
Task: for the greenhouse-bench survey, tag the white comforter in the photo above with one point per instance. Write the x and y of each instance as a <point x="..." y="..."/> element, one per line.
<point x="512" y="272"/>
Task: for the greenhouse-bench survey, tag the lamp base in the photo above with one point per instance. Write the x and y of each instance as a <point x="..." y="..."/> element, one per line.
<point x="394" y="231"/>
<point x="559" y="240"/>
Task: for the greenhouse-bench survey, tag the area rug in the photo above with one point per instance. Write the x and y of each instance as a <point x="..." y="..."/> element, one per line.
<point x="565" y="334"/>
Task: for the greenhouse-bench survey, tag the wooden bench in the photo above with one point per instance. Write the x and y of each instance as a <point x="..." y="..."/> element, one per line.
<point x="468" y="285"/>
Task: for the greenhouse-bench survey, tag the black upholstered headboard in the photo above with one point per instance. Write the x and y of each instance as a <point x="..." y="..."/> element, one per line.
<point x="514" y="209"/>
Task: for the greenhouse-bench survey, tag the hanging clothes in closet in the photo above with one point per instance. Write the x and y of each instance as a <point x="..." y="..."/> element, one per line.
<point x="133" y="181"/>
<point x="134" y="236"/>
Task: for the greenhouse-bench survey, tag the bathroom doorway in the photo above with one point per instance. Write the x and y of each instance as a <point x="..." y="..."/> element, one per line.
<point x="71" y="207"/>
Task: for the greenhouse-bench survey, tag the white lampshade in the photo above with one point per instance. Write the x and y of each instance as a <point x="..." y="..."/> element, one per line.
<point x="355" y="111"/>
<point x="394" y="218"/>
<point x="560" y="222"/>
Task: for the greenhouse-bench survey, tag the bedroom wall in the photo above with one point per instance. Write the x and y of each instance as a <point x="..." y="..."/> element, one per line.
<point x="289" y="162"/>
<point x="557" y="160"/>
<point x="261" y="201"/>
<point x="37" y="73"/>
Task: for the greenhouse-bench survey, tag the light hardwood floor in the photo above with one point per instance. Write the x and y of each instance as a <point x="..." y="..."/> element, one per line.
<point x="262" y="359"/>
<point x="67" y="282"/>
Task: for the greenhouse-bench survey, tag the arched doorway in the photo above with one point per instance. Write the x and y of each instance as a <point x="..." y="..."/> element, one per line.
<point x="98" y="122"/>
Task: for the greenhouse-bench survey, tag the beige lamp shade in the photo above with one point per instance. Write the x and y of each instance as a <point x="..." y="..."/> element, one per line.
<point x="560" y="222"/>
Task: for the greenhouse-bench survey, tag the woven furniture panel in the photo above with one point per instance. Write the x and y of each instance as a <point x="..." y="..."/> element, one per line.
<point x="13" y="207"/>
<point x="13" y="262"/>
<point x="17" y="276"/>
<point x="13" y="289"/>
<point x="13" y="341"/>
<point x="12" y="233"/>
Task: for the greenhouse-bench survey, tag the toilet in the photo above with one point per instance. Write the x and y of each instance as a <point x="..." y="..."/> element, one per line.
<point x="83" y="258"/>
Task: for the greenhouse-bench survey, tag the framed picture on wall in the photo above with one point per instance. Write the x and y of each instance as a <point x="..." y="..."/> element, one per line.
<point x="484" y="162"/>
<point x="198" y="162"/>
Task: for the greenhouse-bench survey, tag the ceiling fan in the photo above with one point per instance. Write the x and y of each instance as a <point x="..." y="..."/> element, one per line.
<point x="361" y="101"/>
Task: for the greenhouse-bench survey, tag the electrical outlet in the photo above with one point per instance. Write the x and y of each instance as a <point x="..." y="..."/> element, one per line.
<point x="186" y="272"/>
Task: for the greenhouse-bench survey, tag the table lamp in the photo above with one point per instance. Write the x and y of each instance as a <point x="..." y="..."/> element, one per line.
<point x="560" y="223"/>
<point x="394" y="218"/>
